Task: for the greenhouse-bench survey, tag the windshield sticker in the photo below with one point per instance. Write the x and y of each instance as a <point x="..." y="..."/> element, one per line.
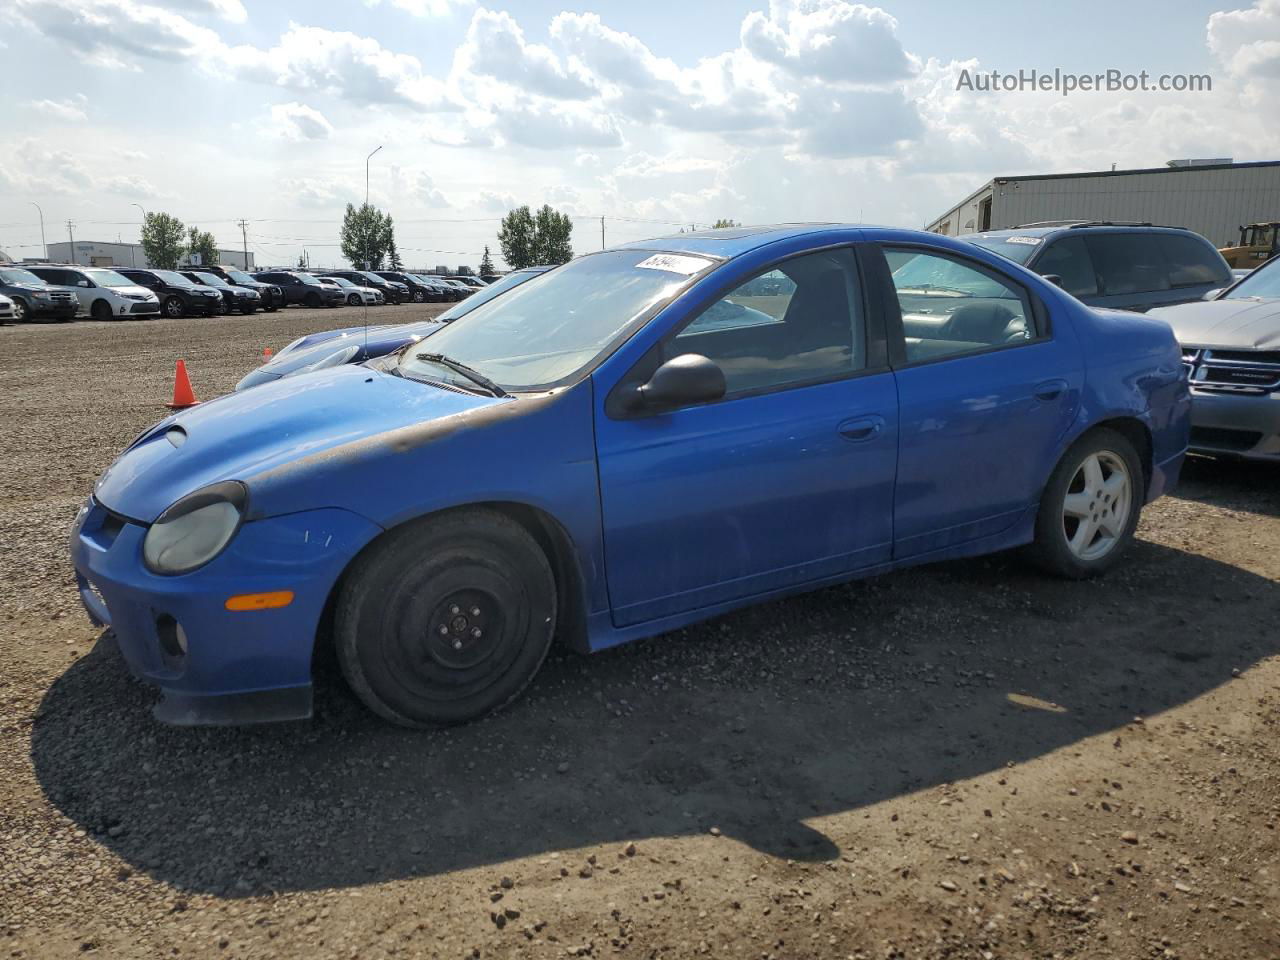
<point x="1030" y="240"/>
<point x="674" y="263"/>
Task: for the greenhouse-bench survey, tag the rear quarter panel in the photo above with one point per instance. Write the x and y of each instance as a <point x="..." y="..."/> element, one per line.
<point x="1133" y="368"/>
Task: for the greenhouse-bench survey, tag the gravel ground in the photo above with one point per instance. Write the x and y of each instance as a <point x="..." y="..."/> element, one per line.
<point x="963" y="761"/>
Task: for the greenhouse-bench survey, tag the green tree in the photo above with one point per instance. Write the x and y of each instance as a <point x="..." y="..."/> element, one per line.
<point x="201" y="242"/>
<point x="365" y="236"/>
<point x="516" y="238"/>
<point x="393" y="255"/>
<point x="721" y="224"/>
<point x="551" y="232"/>
<point x="162" y="236"/>
<point x="486" y="263"/>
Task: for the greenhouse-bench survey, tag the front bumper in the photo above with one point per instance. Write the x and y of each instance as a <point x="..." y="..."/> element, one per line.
<point x="1236" y="425"/>
<point x="60" y="309"/>
<point x="144" y="307"/>
<point x="230" y="667"/>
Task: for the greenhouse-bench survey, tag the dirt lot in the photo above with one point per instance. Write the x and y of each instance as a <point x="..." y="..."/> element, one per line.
<point x="966" y="761"/>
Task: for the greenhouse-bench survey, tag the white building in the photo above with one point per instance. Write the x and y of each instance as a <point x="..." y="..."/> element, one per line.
<point x="1212" y="198"/>
<point x="94" y="253"/>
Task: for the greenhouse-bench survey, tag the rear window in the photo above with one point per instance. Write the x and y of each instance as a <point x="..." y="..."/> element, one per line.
<point x="1192" y="261"/>
<point x="1069" y="259"/>
<point x="1015" y="247"/>
<point x="1128" y="263"/>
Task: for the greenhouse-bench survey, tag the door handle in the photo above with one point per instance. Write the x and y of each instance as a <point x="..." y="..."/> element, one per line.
<point x="1050" y="389"/>
<point x="861" y="429"/>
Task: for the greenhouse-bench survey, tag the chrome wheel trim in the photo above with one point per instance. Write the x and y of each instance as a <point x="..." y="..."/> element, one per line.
<point x="1095" y="510"/>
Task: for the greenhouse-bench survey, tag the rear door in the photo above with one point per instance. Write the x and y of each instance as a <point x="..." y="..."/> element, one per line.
<point x="988" y="384"/>
<point x="786" y="480"/>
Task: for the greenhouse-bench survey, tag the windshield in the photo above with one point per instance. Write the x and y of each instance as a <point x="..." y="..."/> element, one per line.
<point x="463" y="307"/>
<point x="20" y="276"/>
<point x="928" y="274"/>
<point x="1013" y="247"/>
<point x="541" y="334"/>
<point x="172" y="277"/>
<point x="109" y="278"/>
<point x="239" y="276"/>
<point x="212" y="280"/>
<point x="1262" y="284"/>
<point x="374" y="279"/>
<point x="309" y="279"/>
<point x="340" y="281"/>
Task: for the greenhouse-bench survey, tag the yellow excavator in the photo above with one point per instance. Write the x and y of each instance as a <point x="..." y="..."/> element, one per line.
<point x="1258" y="242"/>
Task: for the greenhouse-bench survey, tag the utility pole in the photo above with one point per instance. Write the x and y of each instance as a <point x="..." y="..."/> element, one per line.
<point x="43" y="243"/>
<point x="602" y="233"/>
<point x="244" y="237"/>
<point x="133" y="259"/>
<point x="72" y="237"/>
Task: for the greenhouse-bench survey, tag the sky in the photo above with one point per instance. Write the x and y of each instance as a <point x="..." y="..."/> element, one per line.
<point x="654" y="115"/>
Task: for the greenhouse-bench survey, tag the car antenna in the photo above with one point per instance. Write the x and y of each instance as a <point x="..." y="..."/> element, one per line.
<point x="368" y="264"/>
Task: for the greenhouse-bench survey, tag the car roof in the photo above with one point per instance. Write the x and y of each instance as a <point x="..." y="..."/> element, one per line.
<point x="1055" y="228"/>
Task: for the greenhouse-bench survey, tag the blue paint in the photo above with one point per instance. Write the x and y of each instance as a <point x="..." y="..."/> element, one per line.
<point x="671" y="518"/>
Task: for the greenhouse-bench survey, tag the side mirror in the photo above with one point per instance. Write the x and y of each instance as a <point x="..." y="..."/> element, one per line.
<point x="83" y="283"/>
<point x="688" y="378"/>
<point x="1212" y="294"/>
<point x="1054" y="279"/>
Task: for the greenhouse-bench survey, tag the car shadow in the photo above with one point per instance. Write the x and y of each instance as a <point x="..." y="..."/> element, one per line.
<point x="1248" y="485"/>
<point x="755" y="723"/>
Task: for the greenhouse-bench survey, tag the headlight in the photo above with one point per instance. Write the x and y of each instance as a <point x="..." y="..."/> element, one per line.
<point x="42" y="295"/>
<point x="195" y="529"/>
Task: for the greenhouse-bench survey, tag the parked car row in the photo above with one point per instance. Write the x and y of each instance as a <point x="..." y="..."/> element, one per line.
<point x="59" y="291"/>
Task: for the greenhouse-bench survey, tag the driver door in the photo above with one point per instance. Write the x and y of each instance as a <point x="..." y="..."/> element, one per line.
<point x="785" y="481"/>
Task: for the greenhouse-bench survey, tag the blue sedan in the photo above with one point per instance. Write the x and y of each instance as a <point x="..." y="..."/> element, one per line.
<point x="643" y="438"/>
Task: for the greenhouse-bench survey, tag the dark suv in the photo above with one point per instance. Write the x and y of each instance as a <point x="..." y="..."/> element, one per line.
<point x="419" y="292"/>
<point x="33" y="298"/>
<point x="303" y="289"/>
<point x="179" y="295"/>
<point x="272" y="297"/>
<point x="1126" y="266"/>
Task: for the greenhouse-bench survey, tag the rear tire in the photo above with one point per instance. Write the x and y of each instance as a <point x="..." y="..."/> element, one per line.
<point x="446" y="619"/>
<point x="1090" y="507"/>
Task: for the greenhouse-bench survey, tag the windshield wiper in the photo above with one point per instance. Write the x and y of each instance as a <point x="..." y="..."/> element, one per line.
<point x="457" y="366"/>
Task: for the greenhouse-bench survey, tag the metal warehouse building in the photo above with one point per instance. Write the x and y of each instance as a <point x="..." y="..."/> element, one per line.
<point x="1212" y="198"/>
<point x="93" y="253"/>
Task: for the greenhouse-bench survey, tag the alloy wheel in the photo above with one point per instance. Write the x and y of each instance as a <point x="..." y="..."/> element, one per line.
<point x="1095" y="510"/>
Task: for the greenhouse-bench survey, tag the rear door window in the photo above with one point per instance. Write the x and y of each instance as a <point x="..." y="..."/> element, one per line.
<point x="1128" y="263"/>
<point x="1192" y="261"/>
<point x="1069" y="259"/>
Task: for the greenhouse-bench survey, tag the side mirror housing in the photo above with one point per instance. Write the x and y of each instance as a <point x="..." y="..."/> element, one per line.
<point x="686" y="379"/>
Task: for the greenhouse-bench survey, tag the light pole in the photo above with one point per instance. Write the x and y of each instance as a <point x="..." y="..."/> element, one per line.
<point x="366" y="174"/>
<point x="43" y="243"/>
<point x="367" y="230"/>
<point x="133" y="259"/>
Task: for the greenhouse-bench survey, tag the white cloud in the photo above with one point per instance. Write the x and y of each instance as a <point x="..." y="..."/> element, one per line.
<point x="71" y="109"/>
<point x="340" y="64"/>
<point x="495" y="202"/>
<point x="587" y="160"/>
<point x="230" y="10"/>
<point x="425" y="8"/>
<point x="300" y="122"/>
<point x="495" y="47"/>
<point x="558" y="128"/>
<point x="117" y="33"/>
<point x="831" y="41"/>
<point x="319" y="192"/>
<point x="41" y="169"/>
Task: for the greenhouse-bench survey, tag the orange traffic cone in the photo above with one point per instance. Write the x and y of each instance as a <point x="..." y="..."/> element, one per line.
<point x="266" y="354"/>
<point x="183" y="395"/>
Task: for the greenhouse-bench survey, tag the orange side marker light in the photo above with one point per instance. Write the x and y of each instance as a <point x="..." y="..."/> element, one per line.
<point x="260" y="601"/>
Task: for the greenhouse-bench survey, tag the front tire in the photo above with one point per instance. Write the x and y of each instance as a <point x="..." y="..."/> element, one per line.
<point x="446" y="619"/>
<point x="173" y="308"/>
<point x="419" y="296"/>
<point x="313" y="300"/>
<point x="21" y="313"/>
<point x="101" y="310"/>
<point x="1091" y="506"/>
<point x="353" y="299"/>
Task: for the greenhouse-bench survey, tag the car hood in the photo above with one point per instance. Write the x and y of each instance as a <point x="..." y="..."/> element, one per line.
<point x="1247" y="324"/>
<point x="242" y="435"/>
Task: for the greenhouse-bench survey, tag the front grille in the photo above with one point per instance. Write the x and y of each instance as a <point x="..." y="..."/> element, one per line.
<point x="1221" y="438"/>
<point x="61" y="296"/>
<point x="1233" y="371"/>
